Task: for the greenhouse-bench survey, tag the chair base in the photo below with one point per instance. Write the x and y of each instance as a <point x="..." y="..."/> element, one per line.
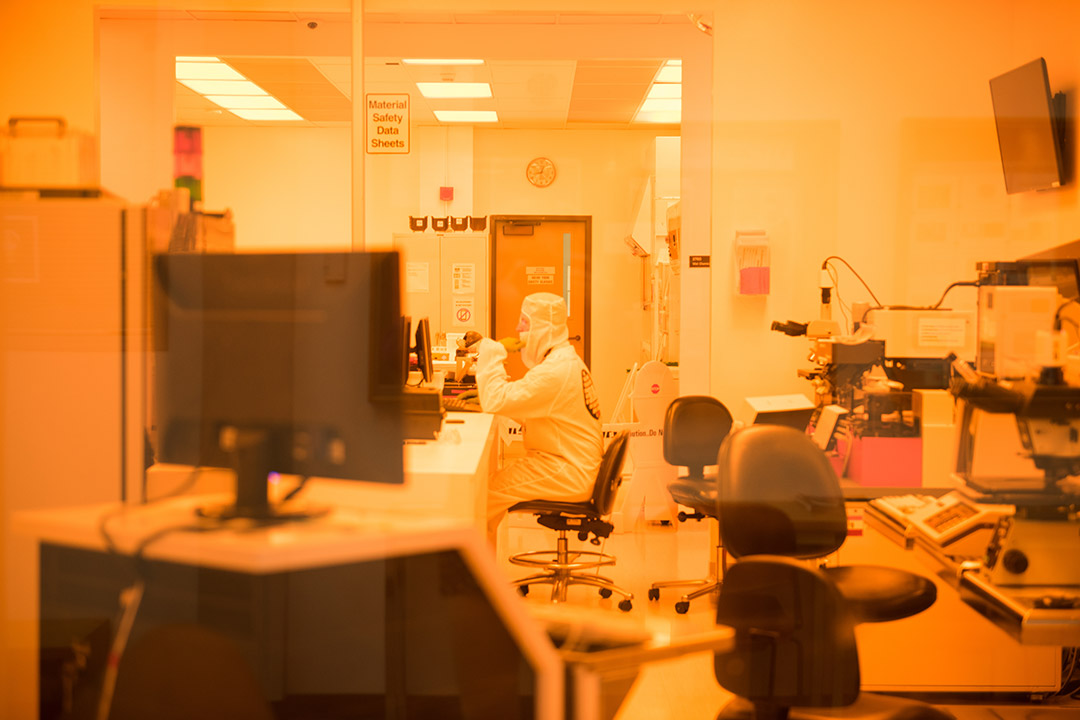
<point x="562" y="568"/>
<point x="703" y="587"/>
<point x="868" y="706"/>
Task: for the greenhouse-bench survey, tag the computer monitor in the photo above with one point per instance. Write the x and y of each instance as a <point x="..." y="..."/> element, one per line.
<point x="422" y="348"/>
<point x="285" y="362"/>
<point x="1030" y="124"/>
<point x="406" y="345"/>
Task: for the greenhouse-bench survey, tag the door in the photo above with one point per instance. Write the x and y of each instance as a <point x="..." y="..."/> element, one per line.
<point x="534" y="253"/>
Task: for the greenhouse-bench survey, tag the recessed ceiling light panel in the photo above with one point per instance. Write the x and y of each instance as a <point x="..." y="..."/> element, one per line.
<point x="248" y="102"/>
<point x="442" y="90"/>
<point x="669" y="74"/>
<point x="206" y="71"/>
<point x="442" y="61"/>
<point x="665" y="91"/>
<point x="466" y="115"/>
<point x="224" y="87"/>
<point x="260" y="114"/>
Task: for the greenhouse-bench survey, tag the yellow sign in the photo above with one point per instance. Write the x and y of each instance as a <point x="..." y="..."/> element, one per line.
<point x="387" y="123"/>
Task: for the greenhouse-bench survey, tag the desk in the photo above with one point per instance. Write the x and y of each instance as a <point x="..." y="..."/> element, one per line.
<point x="1012" y="609"/>
<point x="354" y="604"/>
<point x="444" y="478"/>
<point x="324" y="586"/>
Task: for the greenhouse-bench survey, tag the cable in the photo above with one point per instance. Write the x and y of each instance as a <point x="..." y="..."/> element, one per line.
<point x="825" y="265"/>
<point x="103" y="523"/>
<point x="130" y="600"/>
<point x="1057" y="313"/>
<point x="965" y="283"/>
<point x="296" y="490"/>
<point x="848" y="320"/>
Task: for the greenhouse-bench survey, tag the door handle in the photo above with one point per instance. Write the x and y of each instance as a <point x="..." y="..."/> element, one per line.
<point x="575" y="337"/>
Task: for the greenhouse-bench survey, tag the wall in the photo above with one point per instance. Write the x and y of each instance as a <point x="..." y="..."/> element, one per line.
<point x="599" y="173"/>
<point x="286" y="187"/>
<point x="866" y="131"/>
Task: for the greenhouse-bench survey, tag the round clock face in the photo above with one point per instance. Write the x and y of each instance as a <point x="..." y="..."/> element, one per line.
<point x="541" y="172"/>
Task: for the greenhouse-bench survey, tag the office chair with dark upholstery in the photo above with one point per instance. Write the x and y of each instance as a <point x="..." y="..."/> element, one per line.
<point x="562" y="567"/>
<point x="780" y="506"/>
<point x="694" y="428"/>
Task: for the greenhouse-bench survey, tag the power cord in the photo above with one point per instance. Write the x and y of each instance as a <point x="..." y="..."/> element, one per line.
<point x="825" y="266"/>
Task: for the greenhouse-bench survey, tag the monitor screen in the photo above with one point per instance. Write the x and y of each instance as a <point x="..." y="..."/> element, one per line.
<point x="423" y="349"/>
<point x="286" y="363"/>
<point x="1027" y="128"/>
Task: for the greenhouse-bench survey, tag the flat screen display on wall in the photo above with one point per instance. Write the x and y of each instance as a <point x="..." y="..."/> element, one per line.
<point x="1028" y="128"/>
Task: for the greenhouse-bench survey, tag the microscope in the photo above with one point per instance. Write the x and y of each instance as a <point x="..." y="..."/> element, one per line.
<point x="1019" y="432"/>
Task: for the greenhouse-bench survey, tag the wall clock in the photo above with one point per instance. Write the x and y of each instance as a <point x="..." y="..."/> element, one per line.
<point x="540" y="172"/>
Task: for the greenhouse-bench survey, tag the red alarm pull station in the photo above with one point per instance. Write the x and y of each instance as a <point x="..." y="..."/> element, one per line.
<point x="446" y="193"/>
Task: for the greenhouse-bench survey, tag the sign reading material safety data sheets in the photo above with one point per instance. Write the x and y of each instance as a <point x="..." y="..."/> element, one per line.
<point x="387" y="123"/>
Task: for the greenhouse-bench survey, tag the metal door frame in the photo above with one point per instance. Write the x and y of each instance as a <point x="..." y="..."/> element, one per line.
<point x="494" y="220"/>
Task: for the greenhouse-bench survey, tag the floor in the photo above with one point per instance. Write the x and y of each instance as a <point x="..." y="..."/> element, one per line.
<point x="684" y="688"/>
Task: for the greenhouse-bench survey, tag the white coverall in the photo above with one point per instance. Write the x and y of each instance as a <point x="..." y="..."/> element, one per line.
<point x="557" y="405"/>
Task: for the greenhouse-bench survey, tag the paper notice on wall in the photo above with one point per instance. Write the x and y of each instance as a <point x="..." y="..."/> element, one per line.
<point x="464" y="312"/>
<point x="463" y="278"/>
<point x="417" y="277"/>
<point x="540" y="275"/>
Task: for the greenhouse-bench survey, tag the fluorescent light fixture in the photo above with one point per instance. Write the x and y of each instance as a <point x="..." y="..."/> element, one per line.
<point x="661" y="105"/>
<point x="442" y="90"/>
<point x="670" y="117"/>
<point x="265" y="114"/>
<point x="665" y="91"/>
<point x="674" y="62"/>
<point x="224" y="87"/>
<point x="442" y="61"/>
<point x="669" y="74"/>
<point x="206" y="71"/>
<point x="196" y="58"/>
<point x="466" y="116"/>
<point x="247" y="102"/>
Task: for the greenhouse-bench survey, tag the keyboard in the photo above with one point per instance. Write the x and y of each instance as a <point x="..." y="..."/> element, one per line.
<point x="458" y="405"/>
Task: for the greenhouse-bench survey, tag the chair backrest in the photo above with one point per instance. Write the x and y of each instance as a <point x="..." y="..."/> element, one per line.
<point x="694" y="428"/>
<point x="778" y="495"/>
<point x="609" y="476"/>
<point x="187" y="671"/>
<point x="794" y="636"/>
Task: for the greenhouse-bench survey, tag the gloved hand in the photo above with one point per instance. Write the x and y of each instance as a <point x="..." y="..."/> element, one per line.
<point x="470" y="340"/>
<point x="512" y="344"/>
<point x="468" y="394"/>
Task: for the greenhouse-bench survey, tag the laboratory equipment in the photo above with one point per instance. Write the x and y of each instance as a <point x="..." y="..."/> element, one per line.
<point x="891" y="377"/>
<point x="1040" y="544"/>
<point x="285" y="363"/>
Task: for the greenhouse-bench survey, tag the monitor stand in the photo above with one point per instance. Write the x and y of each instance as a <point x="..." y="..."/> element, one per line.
<point x="253" y="466"/>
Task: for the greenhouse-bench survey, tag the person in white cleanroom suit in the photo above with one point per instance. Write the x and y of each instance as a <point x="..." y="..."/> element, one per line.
<point x="556" y="404"/>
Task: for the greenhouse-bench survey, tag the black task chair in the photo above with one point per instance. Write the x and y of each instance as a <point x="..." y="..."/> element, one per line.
<point x="694" y="428"/>
<point x="562" y="567"/>
<point x="781" y="508"/>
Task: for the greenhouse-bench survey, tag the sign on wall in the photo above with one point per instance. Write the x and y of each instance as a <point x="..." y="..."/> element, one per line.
<point x="387" y="123"/>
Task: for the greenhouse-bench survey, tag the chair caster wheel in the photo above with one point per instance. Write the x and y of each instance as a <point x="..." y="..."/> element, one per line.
<point x="605" y="592"/>
<point x="654" y="593"/>
<point x="523" y="590"/>
<point x="625" y="605"/>
<point x="682" y="607"/>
